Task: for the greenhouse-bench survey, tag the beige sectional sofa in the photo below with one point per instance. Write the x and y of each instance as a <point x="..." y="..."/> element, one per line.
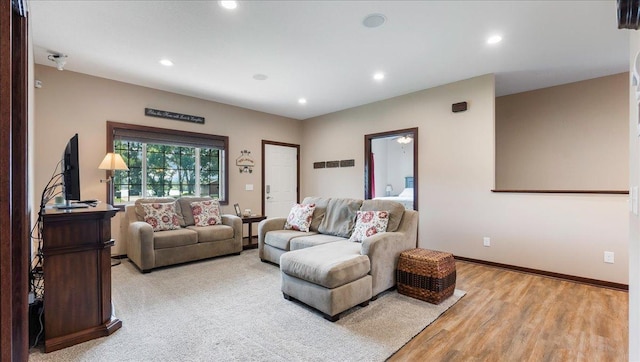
<point x="148" y="249"/>
<point x="325" y="270"/>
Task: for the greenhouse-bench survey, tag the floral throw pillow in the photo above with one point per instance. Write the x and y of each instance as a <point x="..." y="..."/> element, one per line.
<point x="161" y="216"/>
<point x="300" y="217"/>
<point x="369" y="223"/>
<point x="206" y="212"/>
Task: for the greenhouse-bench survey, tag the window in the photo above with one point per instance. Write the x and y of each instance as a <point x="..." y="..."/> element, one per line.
<point x="167" y="163"/>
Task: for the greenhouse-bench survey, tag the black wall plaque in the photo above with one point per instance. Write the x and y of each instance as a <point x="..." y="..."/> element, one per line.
<point x="331" y="164"/>
<point x="319" y="164"/>
<point x="347" y="163"/>
<point x="172" y="115"/>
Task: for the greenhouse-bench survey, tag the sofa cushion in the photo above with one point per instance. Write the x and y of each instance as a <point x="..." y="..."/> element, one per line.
<point x="340" y="217"/>
<point x="369" y="223"/>
<point x="330" y="265"/>
<point x="174" y="238"/>
<point x="300" y="217"/>
<point x="150" y="200"/>
<point x="161" y="216"/>
<point x="212" y="232"/>
<point x="396" y="211"/>
<point x="185" y="206"/>
<point x="280" y="238"/>
<point x="206" y="213"/>
<point x="318" y="214"/>
<point x="307" y="241"/>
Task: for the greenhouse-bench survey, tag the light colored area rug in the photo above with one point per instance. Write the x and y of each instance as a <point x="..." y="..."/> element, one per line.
<point x="231" y="308"/>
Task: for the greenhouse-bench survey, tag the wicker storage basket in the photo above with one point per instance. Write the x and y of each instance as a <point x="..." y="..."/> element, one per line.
<point x="426" y="275"/>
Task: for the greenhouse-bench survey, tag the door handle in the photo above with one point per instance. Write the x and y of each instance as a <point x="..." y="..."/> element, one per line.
<point x="268" y="188"/>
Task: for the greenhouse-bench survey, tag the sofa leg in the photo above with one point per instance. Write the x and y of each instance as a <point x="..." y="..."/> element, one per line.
<point x="375" y="297"/>
<point x="364" y="304"/>
<point x="331" y="318"/>
<point x="287" y="296"/>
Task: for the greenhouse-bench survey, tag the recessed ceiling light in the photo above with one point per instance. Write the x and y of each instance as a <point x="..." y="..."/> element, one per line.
<point x="494" y="39"/>
<point x="374" y="20"/>
<point x="302" y="101"/>
<point x="166" y="62"/>
<point x="228" y="4"/>
<point x="378" y="76"/>
<point x="260" y="77"/>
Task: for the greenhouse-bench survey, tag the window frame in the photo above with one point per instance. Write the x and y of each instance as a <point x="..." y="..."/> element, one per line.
<point x="224" y="164"/>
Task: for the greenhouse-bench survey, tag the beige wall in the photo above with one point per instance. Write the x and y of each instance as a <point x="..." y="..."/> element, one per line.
<point x="568" y="137"/>
<point x="559" y="233"/>
<point x="71" y="102"/>
<point x="634" y="221"/>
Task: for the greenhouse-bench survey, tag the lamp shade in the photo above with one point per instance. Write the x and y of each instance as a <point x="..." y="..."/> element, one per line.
<point x="113" y="161"/>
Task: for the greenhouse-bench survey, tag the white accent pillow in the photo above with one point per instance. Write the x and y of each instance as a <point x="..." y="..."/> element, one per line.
<point x="161" y="216"/>
<point x="300" y="217"/>
<point x="369" y="223"/>
<point x="206" y="212"/>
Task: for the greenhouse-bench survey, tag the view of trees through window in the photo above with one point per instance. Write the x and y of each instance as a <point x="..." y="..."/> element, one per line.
<point x="157" y="170"/>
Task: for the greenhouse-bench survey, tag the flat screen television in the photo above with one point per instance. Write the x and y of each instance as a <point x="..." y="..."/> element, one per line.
<point x="71" y="175"/>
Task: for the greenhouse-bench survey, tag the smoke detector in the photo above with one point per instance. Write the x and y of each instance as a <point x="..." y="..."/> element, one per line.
<point x="59" y="59"/>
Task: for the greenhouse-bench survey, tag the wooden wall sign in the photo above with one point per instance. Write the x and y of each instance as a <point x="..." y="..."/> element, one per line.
<point x="347" y="163"/>
<point x="172" y="115"/>
<point x="332" y="164"/>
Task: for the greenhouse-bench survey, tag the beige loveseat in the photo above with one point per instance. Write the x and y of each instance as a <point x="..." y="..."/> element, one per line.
<point x="325" y="270"/>
<point x="148" y="249"/>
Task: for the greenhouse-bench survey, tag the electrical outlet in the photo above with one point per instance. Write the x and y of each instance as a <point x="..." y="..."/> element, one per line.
<point x="486" y="241"/>
<point x="609" y="257"/>
<point x="248" y="187"/>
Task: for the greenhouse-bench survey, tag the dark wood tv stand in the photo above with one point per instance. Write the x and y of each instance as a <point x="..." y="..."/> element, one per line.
<point x="77" y="276"/>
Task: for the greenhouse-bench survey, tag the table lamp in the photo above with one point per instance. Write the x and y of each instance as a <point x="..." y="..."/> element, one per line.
<point x="112" y="162"/>
<point x="388" y="189"/>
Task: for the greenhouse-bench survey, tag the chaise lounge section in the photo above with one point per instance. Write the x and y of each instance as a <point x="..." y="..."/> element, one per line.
<point x="330" y="277"/>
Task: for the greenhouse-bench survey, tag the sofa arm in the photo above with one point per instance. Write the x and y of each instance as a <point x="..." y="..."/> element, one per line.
<point x="236" y="223"/>
<point x="266" y="225"/>
<point x="140" y="249"/>
<point x="384" y="249"/>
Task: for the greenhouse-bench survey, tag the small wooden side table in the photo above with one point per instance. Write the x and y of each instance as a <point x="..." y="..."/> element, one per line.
<point x="249" y="220"/>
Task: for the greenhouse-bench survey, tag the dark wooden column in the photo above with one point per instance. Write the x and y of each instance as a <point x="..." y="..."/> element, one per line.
<point x="14" y="208"/>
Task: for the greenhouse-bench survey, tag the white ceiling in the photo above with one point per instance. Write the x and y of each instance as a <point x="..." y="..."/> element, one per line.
<point x="320" y="50"/>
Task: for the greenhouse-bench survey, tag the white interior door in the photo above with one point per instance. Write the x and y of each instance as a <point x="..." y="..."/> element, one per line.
<point x="280" y="179"/>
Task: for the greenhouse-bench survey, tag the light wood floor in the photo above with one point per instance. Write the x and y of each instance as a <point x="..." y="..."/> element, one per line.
<point x="513" y="316"/>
